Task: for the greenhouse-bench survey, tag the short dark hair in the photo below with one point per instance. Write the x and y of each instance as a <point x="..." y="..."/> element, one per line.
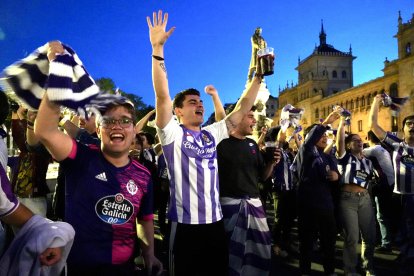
<point x="149" y="136"/>
<point x="233" y="106"/>
<point x="272" y="133"/>
<point x="4" y="107"/>
<point x="180" y="96"/>
<point x="410" y="117"/>
<point x="372" y="137"/>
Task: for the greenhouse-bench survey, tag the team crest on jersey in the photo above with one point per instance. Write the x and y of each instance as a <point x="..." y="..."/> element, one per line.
<point x="114" y="209"/>
<point x="132" y="187"/>
<point x="206" y="138"/>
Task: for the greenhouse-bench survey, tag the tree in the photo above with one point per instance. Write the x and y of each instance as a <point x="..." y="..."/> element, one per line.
<point x="108" y="85"/>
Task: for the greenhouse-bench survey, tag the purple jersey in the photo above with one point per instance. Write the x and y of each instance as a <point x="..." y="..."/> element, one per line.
<point x="403" y="161"/>
<point x="102" y="204"/>
<point x="192" y="166"/>
<point x="8" y="201"/>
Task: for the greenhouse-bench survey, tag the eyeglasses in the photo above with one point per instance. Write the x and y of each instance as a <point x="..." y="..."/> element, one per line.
<point x="111" y="122"/>
<point x="409" y="123"/>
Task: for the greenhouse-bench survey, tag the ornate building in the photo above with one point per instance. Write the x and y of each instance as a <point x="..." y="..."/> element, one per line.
<point x="325" y="79"/>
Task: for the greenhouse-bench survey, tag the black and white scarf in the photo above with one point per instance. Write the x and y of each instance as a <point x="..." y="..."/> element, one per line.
<point x="65" y="80"/>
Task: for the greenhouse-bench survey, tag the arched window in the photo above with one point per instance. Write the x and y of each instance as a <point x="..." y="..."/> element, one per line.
<point x="408" y="48"/>
<point x="324" y="73"/>
<point x="394" y="90"/>
<point x="334" y="74"/>
<point x="362" y="101"/>
<point x="352" y="104"/>
<point x="357" y="102"/>
<point x="324" y="112"/>
<point x="346" y="105"/>
<point x="344" y="74"/>
<point x="369" y="99"/>
<point x="316" y="114"/>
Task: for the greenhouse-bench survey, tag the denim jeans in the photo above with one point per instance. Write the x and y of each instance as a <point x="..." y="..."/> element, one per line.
<point x="384" y="205"/>
<point x="357" y="214"/>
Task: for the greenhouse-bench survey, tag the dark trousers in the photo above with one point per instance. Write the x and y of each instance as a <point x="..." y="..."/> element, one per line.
<point x="312" y="221"/>
<point x="198" y="249"/>
<point x="102" y="270"/>
<point x="284" y="204"/>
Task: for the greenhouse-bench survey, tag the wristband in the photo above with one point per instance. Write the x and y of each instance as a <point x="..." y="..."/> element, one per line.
<point x="158" y="57"/>
<point x="29" y="123"/>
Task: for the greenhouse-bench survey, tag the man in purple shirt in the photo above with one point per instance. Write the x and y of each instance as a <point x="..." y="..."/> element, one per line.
<point x="106" y="192"/>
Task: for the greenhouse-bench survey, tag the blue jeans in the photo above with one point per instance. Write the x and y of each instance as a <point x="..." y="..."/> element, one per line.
<point x="383" y="202"/>
<point x="357" y="214"/>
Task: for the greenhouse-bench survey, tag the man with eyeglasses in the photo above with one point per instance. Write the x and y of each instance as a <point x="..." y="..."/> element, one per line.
<point x="197" y="239"/>
<point x="106" y="191"/>
<point x="403" y="161"/>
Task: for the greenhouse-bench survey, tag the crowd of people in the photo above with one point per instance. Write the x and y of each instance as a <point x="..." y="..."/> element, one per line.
<point x="203" y="182"/>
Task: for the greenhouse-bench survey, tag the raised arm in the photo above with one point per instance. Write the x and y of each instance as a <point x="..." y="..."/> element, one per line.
<point x="373" y="118"/>
<point x="31" y="138"/>
<point x="244" y="104"/>
<point x="340" y="138"/>
<point x="219" y="111"/>
<point x="158" y="37"/>
<point x="144" y="120"/>
<point x="46" y="125"/>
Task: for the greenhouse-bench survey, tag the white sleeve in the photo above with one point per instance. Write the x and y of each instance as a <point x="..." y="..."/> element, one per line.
<point x="218" y="130"/>
<point x="170" y="132"/>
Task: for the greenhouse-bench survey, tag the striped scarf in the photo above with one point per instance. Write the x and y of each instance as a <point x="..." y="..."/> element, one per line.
<point x="65" y="79"/>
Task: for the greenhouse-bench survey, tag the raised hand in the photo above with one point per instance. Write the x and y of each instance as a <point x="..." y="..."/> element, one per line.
<point x="210" y="90"/>
<point x="55" y="47"/>
<point x="158" y="35"/>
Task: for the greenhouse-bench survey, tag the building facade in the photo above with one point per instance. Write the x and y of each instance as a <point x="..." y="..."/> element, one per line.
<point x="325" y="79"/>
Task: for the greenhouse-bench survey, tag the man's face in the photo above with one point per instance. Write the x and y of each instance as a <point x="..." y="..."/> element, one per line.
<point x="246" y="126"/>
<point x="116" y="131"/>
<point x="192" y="111"/>
<point x="144" y="139"/>
<point x="89" y="125"/>
<point x="409" y="129"/>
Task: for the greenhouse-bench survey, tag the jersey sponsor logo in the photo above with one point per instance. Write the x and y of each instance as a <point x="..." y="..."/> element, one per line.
<point x="101" y="176"/>
<point x="114" y="209"/>
<point x="202" y="146"/>
<point x="408" y="160"/>
<point x="132" y="187"/>
<point x="361" y="177"/>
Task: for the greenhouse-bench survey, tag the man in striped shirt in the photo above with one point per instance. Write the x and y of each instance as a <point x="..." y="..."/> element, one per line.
<point x="197" y="240"/>
<point x="403" y="161"/>
<point x="382" y="191"/>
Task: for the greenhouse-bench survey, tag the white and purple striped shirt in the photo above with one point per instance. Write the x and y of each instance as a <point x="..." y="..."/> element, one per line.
<point x="403" y="160"/>
<point x="355" y="171"/>
<point x="192" y="167"/>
